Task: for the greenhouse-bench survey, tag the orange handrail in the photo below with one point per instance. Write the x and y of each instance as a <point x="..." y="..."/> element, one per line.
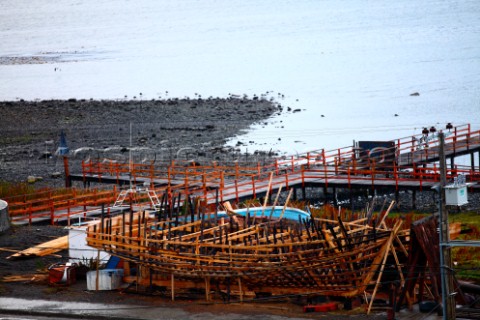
<point x="343" y="163"/>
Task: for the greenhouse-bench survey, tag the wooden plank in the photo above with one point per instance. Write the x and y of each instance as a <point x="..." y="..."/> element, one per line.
<point x="9" y="250"/>
<point x="42" y="249"/>
<point x="36" y="277"/>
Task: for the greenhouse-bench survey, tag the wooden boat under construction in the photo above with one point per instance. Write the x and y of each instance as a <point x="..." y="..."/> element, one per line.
<point x="275" y="250"/>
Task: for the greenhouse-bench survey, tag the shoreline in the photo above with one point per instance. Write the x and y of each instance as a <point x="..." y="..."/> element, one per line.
<point x="153" y="129"/>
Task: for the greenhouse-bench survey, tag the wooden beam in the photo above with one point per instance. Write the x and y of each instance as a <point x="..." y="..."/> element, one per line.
<point x="42" y="249"/>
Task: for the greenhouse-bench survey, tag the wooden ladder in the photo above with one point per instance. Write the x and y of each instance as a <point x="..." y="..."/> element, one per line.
<point x="154" y="199"/>
<point x="121" y="197"/>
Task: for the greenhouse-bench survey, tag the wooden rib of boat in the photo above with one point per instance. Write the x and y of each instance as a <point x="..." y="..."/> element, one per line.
<point x="265" y="250"/>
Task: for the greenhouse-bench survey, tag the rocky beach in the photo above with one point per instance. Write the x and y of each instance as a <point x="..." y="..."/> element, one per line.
<point x="155" y="130"/>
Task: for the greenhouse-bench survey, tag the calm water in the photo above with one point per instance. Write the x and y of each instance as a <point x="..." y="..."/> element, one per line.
<point x="349" y="66"/>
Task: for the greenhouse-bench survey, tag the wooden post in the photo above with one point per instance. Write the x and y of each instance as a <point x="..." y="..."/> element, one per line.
<point x="204" y="185"/>
<point x="52" y="213"/>
<point x="173" y="286"/>
<point x="478" y="155"/>
<point x="97" y="273"/>
<point x="472" y="161"/>
<point x="207" y="289"/>
<point x="286" y="204"/>
<point x="68" y="213"/>
<point x="240" y="289"/>
<point x="385" y="253"/>
<point x="236" y="191"/>
<point x="275" y="202"/>
<point x="68" y="182"/>
<point x="254" y="193"/>
<point x="268" y="193"/>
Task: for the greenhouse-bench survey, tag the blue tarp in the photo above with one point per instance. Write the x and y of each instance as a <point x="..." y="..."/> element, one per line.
<point x="63" y="148"/>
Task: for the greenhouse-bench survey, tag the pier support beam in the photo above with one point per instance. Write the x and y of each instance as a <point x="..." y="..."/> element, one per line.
<point x="414" y="199"/>
<point x="472" y="161"/>
<point x="68" y="180"/>
<point x="351" y="200"/>
<point x="478" y="158"/>
<point x="335" y="203"/>
<point x="397" y="197"/>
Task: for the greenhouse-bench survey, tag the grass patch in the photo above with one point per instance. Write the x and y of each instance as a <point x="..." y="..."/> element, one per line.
<point x="55" y="290"/>
<point x="467" y="219"/>
<point x="8" y="189"/>
<point x="16" y="140"/>
<point x="467" y="259"/>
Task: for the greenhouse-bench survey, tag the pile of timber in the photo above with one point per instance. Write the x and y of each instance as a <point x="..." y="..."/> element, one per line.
<point x="276" y="255"/>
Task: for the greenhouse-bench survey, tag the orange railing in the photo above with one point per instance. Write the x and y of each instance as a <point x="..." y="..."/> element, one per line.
<point x="343" y="163"/>
<point x="408" y="163"/>
<point x="57" y="206"/>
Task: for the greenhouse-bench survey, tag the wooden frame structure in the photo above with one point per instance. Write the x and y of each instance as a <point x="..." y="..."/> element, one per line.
<point x="258" y="253"/>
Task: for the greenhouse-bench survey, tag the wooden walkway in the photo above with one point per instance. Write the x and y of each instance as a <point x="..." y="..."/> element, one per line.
<point x="412" y="164"/>
<point x="455" y="146"/>
<point x="415" y="168"/>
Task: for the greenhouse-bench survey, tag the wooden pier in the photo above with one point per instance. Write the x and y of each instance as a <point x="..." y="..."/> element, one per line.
<point x="409" y="164"/>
